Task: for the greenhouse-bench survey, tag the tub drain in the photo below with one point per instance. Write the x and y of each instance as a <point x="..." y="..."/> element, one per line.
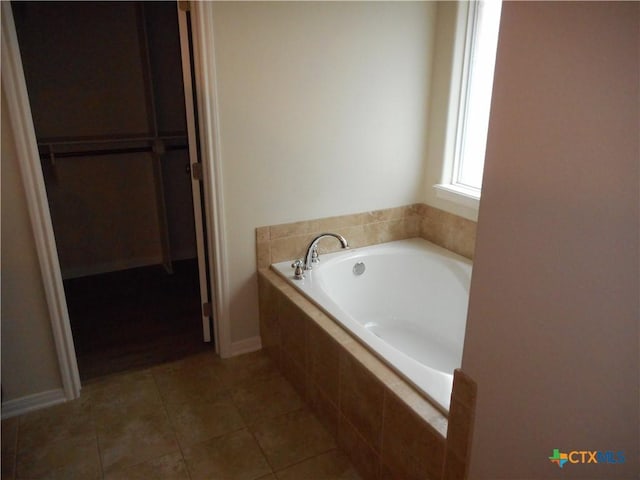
<point x="358" y="268"/>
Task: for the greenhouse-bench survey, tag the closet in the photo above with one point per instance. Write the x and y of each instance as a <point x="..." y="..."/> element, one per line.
<point x="105" y="84"/>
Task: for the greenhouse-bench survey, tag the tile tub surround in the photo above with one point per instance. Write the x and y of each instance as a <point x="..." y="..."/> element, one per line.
<point x="288" y="241"/>
<point x="387" y="429"/>
<point x="460" y="433"/>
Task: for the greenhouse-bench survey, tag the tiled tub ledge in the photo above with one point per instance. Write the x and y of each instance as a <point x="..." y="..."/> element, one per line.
<point x="385" y="426"/>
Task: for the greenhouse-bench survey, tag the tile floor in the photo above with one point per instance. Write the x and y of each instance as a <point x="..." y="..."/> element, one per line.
<point x="197" y="418"/>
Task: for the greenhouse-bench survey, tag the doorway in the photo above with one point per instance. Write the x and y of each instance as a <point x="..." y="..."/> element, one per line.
<point x="106" y="89"/>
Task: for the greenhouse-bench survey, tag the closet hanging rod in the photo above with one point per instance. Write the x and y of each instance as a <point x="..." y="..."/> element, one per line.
<point x="107" y="151"/>
<point x="53" y="142"/>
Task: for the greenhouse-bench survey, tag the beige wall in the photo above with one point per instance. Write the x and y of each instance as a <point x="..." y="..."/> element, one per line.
<point x="552" y="335"/>
<point x="323" y="112"/>
<point x="29" y="362"/>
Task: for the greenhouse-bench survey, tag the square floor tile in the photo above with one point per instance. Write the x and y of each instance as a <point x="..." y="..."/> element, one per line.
<point x="333" y="465"/>
<point x="56" y="423"/>
<point x="265" y="398"/>
<point x="235" y="456"/>
<point x="167" y="467"/>
<point x="188" y="381"/>
<point x="195" y="422"/>
<point x="292" y="437"/>
<point x="128" y="394"/>
<point x="69" y="458"/>
<point x="132" y="440"/>
<point x="248" y="367"/>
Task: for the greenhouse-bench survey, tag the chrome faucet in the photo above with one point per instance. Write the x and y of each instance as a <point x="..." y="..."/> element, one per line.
<point x="311" y="256"/>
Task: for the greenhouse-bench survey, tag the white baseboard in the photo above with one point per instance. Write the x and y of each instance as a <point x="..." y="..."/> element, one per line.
<point x="19" y="406"/>
<point x="246" y="346"/>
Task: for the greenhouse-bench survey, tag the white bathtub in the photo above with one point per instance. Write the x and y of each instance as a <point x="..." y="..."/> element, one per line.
<point x="409" y="306"/>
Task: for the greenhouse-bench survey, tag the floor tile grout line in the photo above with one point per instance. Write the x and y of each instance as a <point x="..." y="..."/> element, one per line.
<point x="95" y="430"/>
<point x="173" y="428"/>
<point x="266" y="458"/>
<point x="306" y="459"/>
<point x="228" y="387"/>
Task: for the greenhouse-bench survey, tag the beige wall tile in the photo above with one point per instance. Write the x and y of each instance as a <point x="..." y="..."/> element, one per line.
<point x="290" y="229"/>
<point x="325" y="410"/>
<point x="464" y="388"/>
<point x="410" y="447"/>
<point x="449" y="231"/>
<point x="361" y="399"/>
<point x="413" y="226"/>
<point x="460" y="429"/>
<point x="420" y="405"/>
<point x="371" y="363"/>
<point x="294" y="373"/>
<point x="289" y="248"/>
<point x="331" y="224"/>
<point x="363" y="457"/>
<point x="355" y="235"/>
<point x="293" y="325"/>
<point x="263" y="234"/>
<point x="323" y="365"/>
<point x="263" y="254"/>
<point x="268" y="298"/>
<point x="289" y="241"/>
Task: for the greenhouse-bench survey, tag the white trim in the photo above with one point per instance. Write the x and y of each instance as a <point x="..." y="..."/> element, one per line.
<point x="471" y="17"/>
<point x="13" y="84"/>
<point x="465" y="196"/>
<point x="207" y="98"/>
<point x="247" y="345"/>
<point x="196" y="194"/>
<point x="22" y="405"/>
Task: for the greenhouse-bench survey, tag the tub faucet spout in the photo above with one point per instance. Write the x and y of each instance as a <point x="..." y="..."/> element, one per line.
<point x="311" y="256"/>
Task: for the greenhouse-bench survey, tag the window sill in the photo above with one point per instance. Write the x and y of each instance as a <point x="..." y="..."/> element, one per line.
<point x="464" y="196"/>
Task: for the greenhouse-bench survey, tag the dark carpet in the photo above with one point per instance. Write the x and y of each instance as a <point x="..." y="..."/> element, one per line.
<point x="135" y="318"/>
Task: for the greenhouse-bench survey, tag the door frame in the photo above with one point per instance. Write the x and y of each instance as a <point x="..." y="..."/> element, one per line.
<point x="14" y="86"/>
<point x="196" y="190"/>
<point x="211" y="159"/>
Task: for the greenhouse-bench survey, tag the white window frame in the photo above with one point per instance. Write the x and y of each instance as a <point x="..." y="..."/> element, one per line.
<point x="452" y="187"/>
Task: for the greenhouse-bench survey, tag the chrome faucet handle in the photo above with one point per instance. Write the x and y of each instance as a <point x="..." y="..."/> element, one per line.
<point x="298" y="273"/>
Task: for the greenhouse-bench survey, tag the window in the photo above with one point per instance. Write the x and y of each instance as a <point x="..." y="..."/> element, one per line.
<point x="462" y="178"/>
